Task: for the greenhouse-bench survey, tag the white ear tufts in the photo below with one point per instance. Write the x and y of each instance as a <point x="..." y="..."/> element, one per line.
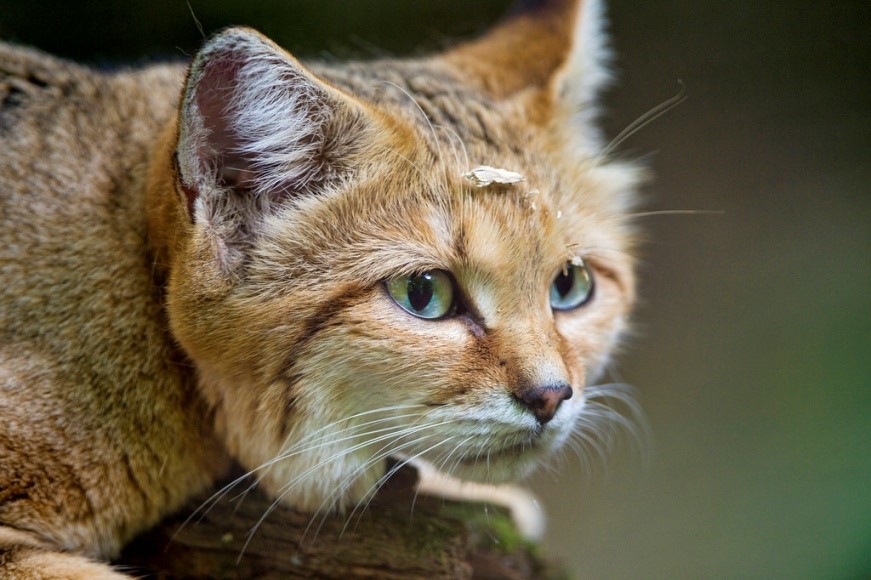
<point x="591" y="54"/>
<point x="587" y="72"/>
<point x="278" y="115"/>
<point x="253" y="119"/>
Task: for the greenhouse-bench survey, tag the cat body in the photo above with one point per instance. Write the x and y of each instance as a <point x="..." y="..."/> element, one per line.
<point x="238" y="261"/>
<point x="101" y="430"/>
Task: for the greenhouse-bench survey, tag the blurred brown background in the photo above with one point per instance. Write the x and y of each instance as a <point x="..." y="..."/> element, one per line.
<point x="753" y="356"/>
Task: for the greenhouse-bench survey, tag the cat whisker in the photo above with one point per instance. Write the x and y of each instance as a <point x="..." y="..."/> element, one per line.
<point x="397" y="434"/>
<point x="454" y="466"/>
<point x="573" y="250"/>
<point x="454" y="450"/>
<point x="196" y="20"/>
<point x="206" y="506"/>
<point x="326" y="440"/>
<point x="327" y="427"/>
<point x="382" y="453"/>
<point x="391" y="434"/>
<point x="587" y="436"/>
<point x="414" y="165"/>
<point x="664" y="212"/>
<point x="213" y="500"/>
<point x="334" y="500"/>
<point x="422" y="112"/>
<point x="580" y="453"/>
<point x="441" y="468"/>
<point x="329" y="438"/>
<point x="370" y="494"/>
<point x="452" y="131"/>
<point x="623" y="393"/>
<point x="644" y="120"/>
<point x="289" y="486"/>
<point x="604" y="425"/>
<point x="560" y="459"/>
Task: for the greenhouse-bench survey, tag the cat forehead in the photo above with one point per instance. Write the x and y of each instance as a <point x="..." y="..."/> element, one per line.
<point x="447" y="112"/>
<point x="445" y="221"/>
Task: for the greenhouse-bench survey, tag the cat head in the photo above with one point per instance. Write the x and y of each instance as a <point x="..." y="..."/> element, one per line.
<point x="401" y="258"/>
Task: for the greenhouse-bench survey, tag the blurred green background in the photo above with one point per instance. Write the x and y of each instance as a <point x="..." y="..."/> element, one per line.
<point x="753" y="353"/>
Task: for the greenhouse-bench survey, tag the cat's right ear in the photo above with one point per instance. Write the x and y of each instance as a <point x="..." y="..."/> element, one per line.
<point x="257" y="128"/>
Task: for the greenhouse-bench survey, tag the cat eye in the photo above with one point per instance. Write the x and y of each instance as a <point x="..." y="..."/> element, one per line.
<point x="572" y="287"/>
<point x="425" y="295"/>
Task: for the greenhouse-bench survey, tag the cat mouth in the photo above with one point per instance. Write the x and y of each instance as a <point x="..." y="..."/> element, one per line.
<point x="512" y="451"/>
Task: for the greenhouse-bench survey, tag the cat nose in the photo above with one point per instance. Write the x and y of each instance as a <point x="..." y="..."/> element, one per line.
<point x="544" y="401"/>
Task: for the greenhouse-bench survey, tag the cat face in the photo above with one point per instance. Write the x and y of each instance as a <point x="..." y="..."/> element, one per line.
<point x="347" y="286"/>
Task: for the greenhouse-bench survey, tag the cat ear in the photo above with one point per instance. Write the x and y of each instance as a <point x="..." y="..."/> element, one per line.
<point x="258" y="127"/>
<point x="553" y="47"/>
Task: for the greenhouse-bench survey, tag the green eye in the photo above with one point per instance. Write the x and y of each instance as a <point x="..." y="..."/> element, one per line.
<point x="572" y="287"/>
<point x="427" y="295"/>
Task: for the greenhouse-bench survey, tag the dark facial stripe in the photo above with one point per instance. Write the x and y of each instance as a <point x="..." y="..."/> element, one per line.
<point x="289" y="375"/>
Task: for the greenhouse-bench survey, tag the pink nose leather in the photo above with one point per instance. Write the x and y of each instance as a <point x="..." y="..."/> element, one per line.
<point x="544" y="401"/>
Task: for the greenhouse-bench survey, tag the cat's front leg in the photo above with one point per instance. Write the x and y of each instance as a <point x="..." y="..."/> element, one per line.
<point x="524" y="507"/>
<point x="22" y="557"/>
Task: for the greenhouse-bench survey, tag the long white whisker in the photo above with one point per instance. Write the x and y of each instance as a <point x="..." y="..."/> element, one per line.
<point x="440" y="468"/>
<point x="383" y="479"/>
<point x="357" y="416"/>
<point x="644" y="214"/>
<point x="293" y="451"/>
<point x="645" y="119"/>
<point x="601" y="426"/>
<point x="213" y="500"/>
<point x="459" y="140"/>
<point x="285" y="489"/>
<point x="398" y="432"/>
<point x="422" y="112"/>
<point x="296" y="451"/>
<point x="382" y="453"/>
<point x="414" y="165"/>
<point x="209" y="503"/>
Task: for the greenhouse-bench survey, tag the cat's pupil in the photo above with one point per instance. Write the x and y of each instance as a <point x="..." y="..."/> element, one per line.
<point x="420" y="289"/>
<point x="564" y="282"/>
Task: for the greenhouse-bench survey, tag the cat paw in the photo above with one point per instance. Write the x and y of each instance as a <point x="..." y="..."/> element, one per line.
<point x="29" y="563"/>
<point x="524" y="507"/>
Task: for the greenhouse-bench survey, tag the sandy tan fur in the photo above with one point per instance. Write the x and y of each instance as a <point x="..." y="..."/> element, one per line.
<point x="168" y="306"/>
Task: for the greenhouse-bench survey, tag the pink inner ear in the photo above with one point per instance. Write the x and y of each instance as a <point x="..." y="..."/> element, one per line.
<point x="257" y="125"/>
<point x="215" y="95"/>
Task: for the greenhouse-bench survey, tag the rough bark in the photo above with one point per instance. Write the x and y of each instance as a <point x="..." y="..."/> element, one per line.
<point x="397" y="536"/>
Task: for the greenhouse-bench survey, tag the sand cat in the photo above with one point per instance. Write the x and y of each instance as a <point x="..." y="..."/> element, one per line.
<point x="304" y="268"/>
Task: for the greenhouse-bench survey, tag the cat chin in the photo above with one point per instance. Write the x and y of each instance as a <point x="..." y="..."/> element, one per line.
<point x="505" y="465"/>
<point x="498" y="470"/>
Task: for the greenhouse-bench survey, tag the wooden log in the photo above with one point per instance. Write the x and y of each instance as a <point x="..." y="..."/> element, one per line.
<point x="398" y="535"/>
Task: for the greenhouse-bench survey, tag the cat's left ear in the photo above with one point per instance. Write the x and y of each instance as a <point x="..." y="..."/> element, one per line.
<point x="553" y="49"/>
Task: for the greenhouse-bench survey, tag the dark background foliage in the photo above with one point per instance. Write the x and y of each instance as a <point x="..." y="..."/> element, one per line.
<point x="753" y="356"/>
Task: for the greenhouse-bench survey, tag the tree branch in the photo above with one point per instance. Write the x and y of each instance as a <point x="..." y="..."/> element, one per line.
<point x="397" y="536"/>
